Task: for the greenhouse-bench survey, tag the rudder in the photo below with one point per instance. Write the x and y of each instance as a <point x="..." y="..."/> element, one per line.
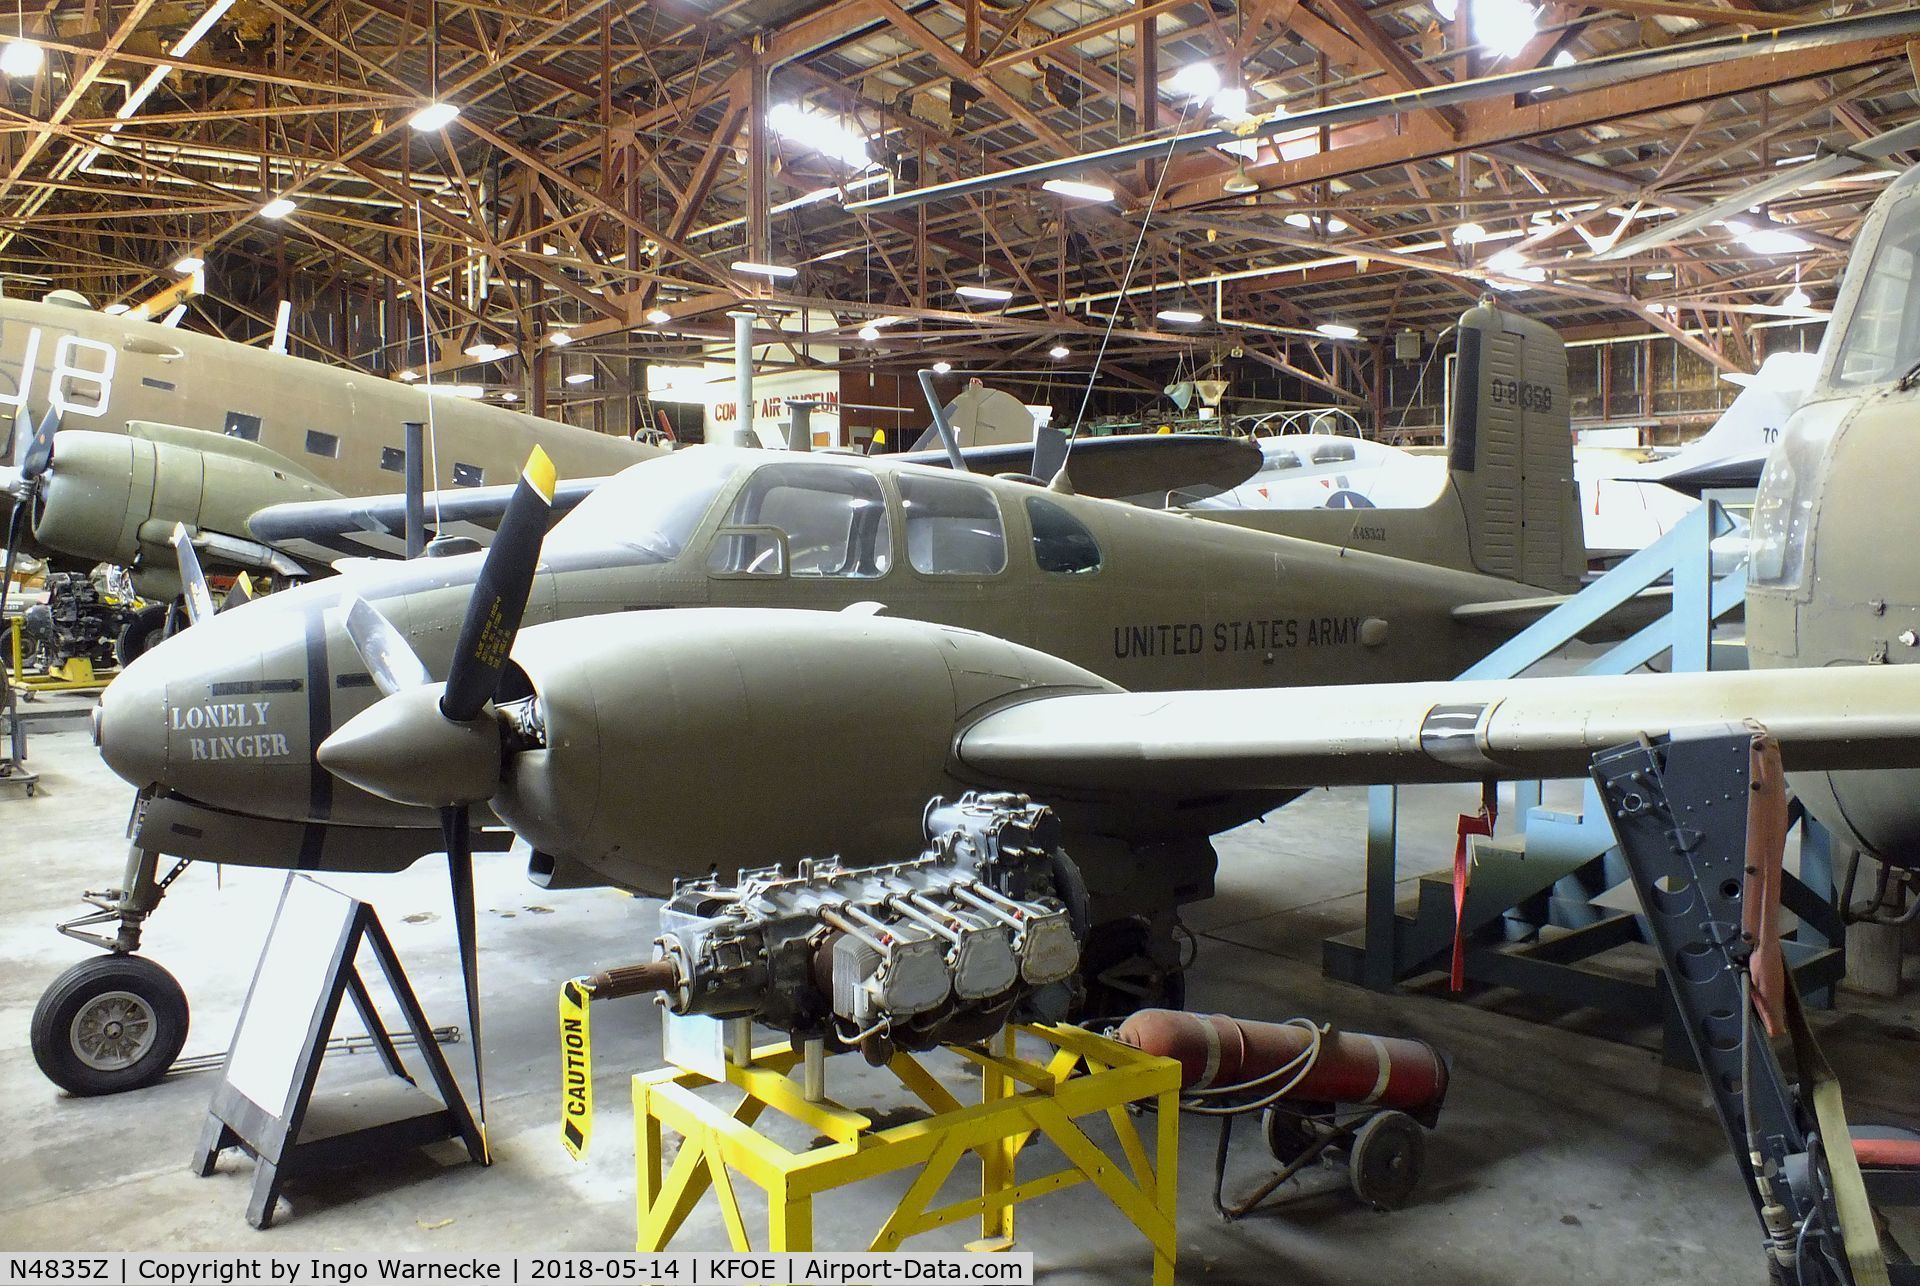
<point x="1510" y="452"/>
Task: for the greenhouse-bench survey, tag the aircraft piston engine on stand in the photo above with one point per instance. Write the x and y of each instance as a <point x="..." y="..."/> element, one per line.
<point x="983" y="925"/>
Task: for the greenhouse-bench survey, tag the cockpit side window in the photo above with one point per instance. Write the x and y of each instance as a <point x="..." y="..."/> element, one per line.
<point x="1883" y="336"/>
<point x="1061" y="542"/>
<point x="833" y="520"/>
<point x="953" y="526"/>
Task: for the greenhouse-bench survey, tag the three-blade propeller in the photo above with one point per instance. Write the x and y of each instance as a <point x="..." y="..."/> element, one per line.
<point x="436" y="745"/>
<point x="32" y="457"/>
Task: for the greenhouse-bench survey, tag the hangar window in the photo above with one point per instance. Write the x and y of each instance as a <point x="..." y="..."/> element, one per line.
<point x="468" y="475"/>
<point x="393" y="459"/>
<point x="831" y="520"/>
<point x="1061" y="543"/>
<point x="326" y="444"/>
<point x="953" y="526"/>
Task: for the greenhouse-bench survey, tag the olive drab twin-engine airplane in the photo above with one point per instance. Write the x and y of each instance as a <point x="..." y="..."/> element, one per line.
<point x="878" y="633"/>
<point x="121" y="429"/>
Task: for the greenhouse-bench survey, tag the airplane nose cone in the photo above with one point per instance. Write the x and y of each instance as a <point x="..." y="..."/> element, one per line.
<point x="130" y="723"/>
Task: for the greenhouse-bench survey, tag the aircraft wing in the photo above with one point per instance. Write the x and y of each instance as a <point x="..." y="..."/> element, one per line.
<point x="1277" y="739"/>
<point x="376" y="526"/>
<point x="1125" y="464"/>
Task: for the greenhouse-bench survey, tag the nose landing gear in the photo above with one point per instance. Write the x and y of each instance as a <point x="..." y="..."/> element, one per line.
<point x="114" y="1022"/>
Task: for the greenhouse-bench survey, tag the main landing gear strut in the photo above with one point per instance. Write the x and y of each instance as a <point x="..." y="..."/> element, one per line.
<point x="117" y="1021"/>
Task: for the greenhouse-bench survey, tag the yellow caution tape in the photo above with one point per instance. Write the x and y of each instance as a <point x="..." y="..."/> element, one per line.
<point x="576" y="1068"/>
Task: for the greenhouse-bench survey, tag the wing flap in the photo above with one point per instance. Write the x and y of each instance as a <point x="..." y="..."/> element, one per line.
<point x="1272" y="739"/>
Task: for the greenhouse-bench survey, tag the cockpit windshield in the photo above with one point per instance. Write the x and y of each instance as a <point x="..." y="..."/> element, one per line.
<point x="651" y="508"/>
<point x="1883" y="335"/>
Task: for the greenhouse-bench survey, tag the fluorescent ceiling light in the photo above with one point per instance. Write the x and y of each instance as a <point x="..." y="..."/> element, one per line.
<point x="509" y="396"/>
<point x="1469" y="234"/>
<point x="824" y="134"/>
<point x="1059" y="351"/>
<point x="189" y="264"/>
<point x="487" y="352"/>
<point x="941" y="368"/>
<point x="1797" y="298"/>
<point x="1182" y="316"/>
<point x="987" y="294"/>
<point x="1564" y="58"/>
<point x="22" y="58"/>
<point x="560" y="339"/>
<point x="580" y="377"/>
<point x="1077" y="190"/>
<point x="1659" y="274"/>
<point x="764" y="269"/>
<point x="409" y="376"/>
<point x="141" y="92"/>
<point x="1237" y="183"/>
<point x="869" y="333"/>
<point x="1336" y="224"/>
<point x="278" y="208"/>
<point x="1298" y="220"/>
<point x="1337" y="330"/>
<point x="434" y="116"/>
<point x="659" y="316"/>
<point x="1196" y="80"/>
<point x="202" y="25"/>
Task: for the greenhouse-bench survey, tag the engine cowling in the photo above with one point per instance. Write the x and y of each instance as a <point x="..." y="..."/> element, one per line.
<point x="110" y="497"/>
<point x="659" y="746"/>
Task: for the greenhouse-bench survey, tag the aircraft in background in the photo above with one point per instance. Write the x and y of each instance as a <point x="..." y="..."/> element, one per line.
<point x="1625" y="502"/>
<point x="143" y="426"/>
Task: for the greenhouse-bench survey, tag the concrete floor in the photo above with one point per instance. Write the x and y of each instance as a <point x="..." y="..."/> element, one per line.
<point x="1566" y="1151"/>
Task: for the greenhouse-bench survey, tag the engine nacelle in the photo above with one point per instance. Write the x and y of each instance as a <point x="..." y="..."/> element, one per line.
<point x="946" y="946"/>
<point x="111" y="497"/>
<point x="658" y="746"/>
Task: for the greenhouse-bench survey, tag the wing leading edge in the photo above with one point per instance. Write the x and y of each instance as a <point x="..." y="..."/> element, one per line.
<point x="1182" y="743"/>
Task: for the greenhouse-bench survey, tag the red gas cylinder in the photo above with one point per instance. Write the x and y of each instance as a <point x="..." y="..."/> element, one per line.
<point x="1218" y="1052"/>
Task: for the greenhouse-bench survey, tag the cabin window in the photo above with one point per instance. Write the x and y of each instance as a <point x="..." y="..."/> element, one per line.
<point x="468" y="475"/>
<point x="953" y="526"/>
<point x="326" y="444"/>
<point x="832" y="517"/>
<point x="1061" y="542"/>
<point x="1332" y="452"/>
<point x="1881" y="341"/>
<point x="393" y="459"/>
<point x="244" y="427"/>
<point x="1283" y="460"/>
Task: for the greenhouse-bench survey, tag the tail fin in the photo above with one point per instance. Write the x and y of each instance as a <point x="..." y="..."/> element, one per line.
<point x="1510" y="454"/>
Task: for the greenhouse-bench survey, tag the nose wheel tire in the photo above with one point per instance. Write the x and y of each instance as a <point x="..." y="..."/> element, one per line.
<point x="140" y="634"/>
<point x="109" y="1024"/>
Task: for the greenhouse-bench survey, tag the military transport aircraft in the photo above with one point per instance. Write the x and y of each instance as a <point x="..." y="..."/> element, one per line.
<point x="144" y="426"/>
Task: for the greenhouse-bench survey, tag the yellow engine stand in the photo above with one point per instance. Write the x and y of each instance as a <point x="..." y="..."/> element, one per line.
<point x="77" y="675"/>
<point x="1019" y="1099"/>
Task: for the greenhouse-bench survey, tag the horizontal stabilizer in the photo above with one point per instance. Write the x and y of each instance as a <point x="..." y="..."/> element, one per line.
<point x="1511" y="615"/>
